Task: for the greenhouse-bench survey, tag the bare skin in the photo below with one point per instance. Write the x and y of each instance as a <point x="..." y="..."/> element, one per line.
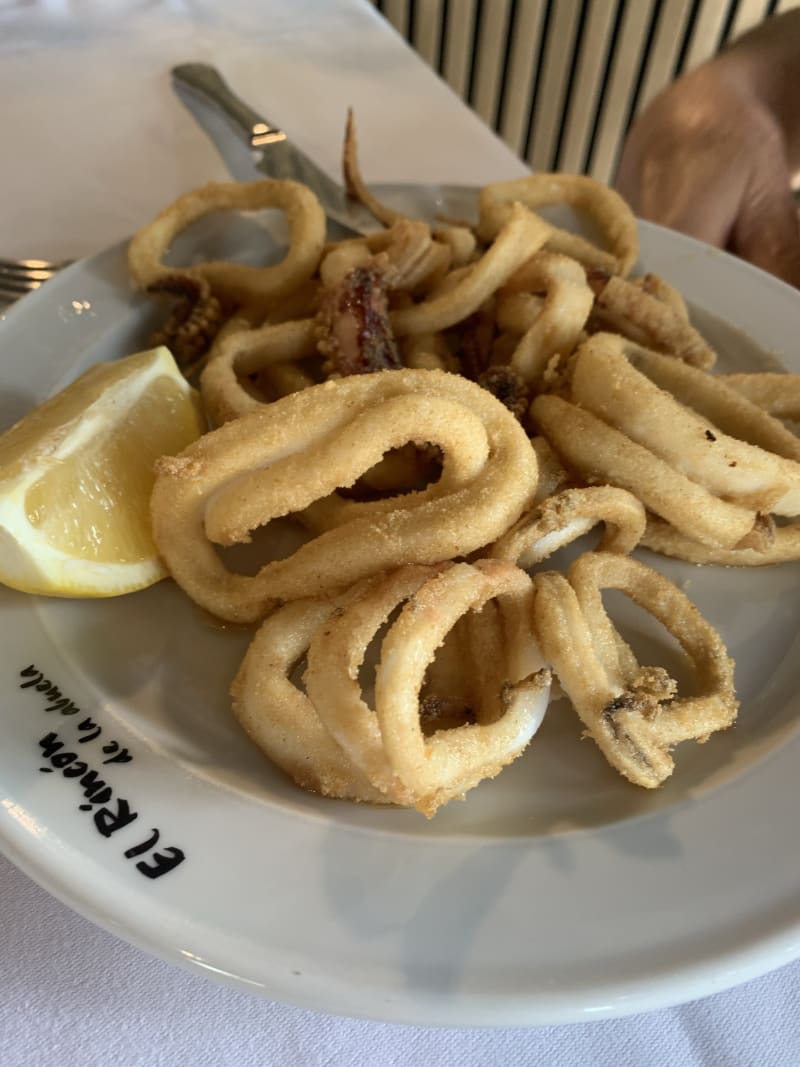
<point x="714" y="154"/>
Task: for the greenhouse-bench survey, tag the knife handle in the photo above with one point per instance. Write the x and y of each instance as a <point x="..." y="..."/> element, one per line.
<point x="206" y="82"/>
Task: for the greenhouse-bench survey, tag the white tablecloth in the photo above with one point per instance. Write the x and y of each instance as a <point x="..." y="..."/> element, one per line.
<point x="93" y="144"/>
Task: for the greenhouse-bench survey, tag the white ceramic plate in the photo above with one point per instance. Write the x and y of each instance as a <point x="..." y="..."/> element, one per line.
<point x="555" y="893"/>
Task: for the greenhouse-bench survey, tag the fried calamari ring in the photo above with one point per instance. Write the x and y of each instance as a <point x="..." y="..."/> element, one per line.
<point x="633" y="713"/>
<point x="300" y="303"/>
<point x="552" y="476"/>
<point x="278" y="460"/>
<point x="407" y="254"/>
<point x="561" y="519"/>
<point x="279" y="717"/>
<point x="606" y="383"/>
<point x="604" y="207"/>
<point x="521" y="235"/>
<point x="428" y="351"/>
<point x="238" y="282"/>
<point x="602" y="455"/>
<point x="461" y="242"/>
<point x="272" y="349"/>
<point x="627" y="308"/>
<point x="466" y="451"/>
<point x="340" y="258"/>
<point x="559" y="323"/>
<point x="335" y="657"/>
<point x="389" y="744"/>
<point x="781" y="544"/>
<point x="448" y="763"/>
<point x="655" y="285"/>
<point x="716" y="400"/>
<point x="516" y="311"/>
<point x="403" y="470"/>
<point x="415" y="258"/>
<point x="282" y="379"/>
<point x="226" y="393"/>
<point x="778" y="394"/>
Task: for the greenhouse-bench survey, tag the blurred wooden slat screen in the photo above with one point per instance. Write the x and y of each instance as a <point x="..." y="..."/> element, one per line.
<point x="561" y="80"/>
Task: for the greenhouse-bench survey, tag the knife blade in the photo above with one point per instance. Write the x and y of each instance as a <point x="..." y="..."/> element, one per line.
<point x="252" y="147"/>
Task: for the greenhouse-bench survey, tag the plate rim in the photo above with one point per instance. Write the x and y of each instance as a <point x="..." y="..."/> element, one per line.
<point x="730" y="968"/>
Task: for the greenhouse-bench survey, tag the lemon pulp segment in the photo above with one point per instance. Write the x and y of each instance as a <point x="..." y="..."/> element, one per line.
<point x="76" y="476"/>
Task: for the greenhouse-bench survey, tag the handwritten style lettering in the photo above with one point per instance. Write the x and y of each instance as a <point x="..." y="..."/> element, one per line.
<point x="116" y="754"/>
<point x="110" y="812"/>
<point x="161" y="862"/>
<point x="56" y="700"/>
<point x="87" y="724"/>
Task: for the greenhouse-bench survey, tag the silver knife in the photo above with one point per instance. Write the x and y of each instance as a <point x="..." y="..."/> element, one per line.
<point x="252" y="147"/>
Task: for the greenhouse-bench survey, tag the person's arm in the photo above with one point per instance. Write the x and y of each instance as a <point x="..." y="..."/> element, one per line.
<point x="714" y="154"/>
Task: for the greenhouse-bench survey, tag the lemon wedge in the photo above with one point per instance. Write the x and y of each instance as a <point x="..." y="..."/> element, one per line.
<point x="76" y="475"/>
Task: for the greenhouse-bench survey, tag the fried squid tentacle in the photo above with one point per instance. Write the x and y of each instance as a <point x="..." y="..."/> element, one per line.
<point x="353" y="329"/>
<point x="604" y="207"/>
<point x="626" y="306"/>
<point x="633" y="713"/>
<point x="194" y="322"/>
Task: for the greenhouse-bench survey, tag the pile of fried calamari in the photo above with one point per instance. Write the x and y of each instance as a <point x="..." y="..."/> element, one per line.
<point x="442" y="407"/>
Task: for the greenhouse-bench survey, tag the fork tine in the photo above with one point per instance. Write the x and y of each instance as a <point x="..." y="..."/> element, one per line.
<point x="34" y="264"/>
<point x="18" y="277"/>
<point x="24" y="277"/>
<point x="19" y="286"/>
<point x="37" y="269"/>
